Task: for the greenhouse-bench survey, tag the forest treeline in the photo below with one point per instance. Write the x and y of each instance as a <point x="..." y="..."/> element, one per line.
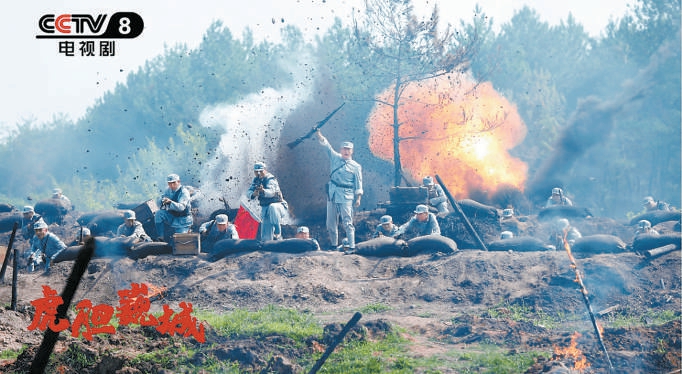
<point x="556" y="75"/>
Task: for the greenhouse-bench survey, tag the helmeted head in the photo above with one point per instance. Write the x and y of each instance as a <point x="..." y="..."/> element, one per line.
<point x="507" y="213"/>
<point x="303" y="232"/>
<point x="39" y="225"/>
<point x="422" y="212"/>
<point x="28" y="211"/>
<point x="129" y="215"/>
<point x="173" y="181"/>
<point x="506" y="235"/>
<point x="644" y="224"/>
<point x="427" y="181"/>
<point x="556" y="191"/>
<point x="221" y="219"/>
<point x="57" y="193"/>
<point x="386" y="220"/>
<point x="85" y="231"/>
<point x="40" y="228"/>
<point x="259" y="168"/>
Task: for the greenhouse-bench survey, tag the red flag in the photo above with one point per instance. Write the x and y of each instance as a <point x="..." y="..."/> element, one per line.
<point x="246" y="223"/>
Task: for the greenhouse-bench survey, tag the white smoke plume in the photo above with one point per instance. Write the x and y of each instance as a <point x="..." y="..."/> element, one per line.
<point x="252" y="130"/>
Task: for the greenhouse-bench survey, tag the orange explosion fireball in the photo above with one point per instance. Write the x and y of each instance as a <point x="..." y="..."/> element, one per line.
<point x="455" y="128"/>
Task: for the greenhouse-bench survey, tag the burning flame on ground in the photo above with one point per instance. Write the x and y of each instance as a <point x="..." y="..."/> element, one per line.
<point x="572" y="352"/>
<point x="455" y="128"/>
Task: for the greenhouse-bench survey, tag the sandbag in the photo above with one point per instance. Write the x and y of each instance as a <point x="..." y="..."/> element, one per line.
<point x="7" y="222"/>
<point x="105" y="222"/>
<point x="380" y="247"/>
<point x="69" y="254"/>
<point x="595" y="244"/>
<point x="563" y="211"/>
<point x="431" y="244"/>
<point x="104" y="247"/>
<point x="6" y="208"/>
<point x="658" y="216"/>
<point x="226" y="247"/>
<point x="145" y="249"/>
<point x="293" y="245"/>
<point x="52" y="210"/>
<point x="518" y="244"/>
<point x="644" y="242"/>
<point x="475" y="210"/>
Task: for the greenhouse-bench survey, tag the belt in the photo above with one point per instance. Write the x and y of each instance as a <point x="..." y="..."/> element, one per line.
<point x="342" y="185"/>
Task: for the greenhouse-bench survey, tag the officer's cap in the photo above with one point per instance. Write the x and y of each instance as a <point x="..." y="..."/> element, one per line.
<point x="386" y="219"/>
<point x="27" y="209"/>
<point x="347" y="145"/>
<point x="303" y="229"/>
<point x="259" y="166"/>
<point x="172" y="178"/>
<point x="427" y="181"/>
<point x="221" y="219"/>
<point x="129" y="214"/>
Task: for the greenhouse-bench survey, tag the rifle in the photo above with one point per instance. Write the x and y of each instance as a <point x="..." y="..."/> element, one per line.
<point x="315" y="128"/>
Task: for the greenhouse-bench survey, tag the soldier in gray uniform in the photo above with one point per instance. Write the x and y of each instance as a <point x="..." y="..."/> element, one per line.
<point x="437" y="196"/>
<point x="652" y="205"/>
<point x="558" y="198"/>
<point x="265" y="188"/>
<point x="386" y="227"/>
<point x="217" y="229"/>
<point x="422" y="223"/>
<point x="28" y="219"/>
<point x="176" y="209"/>
<point x="45" y="246"/>
<point x="132" y="229"/>
<point x="344" y="190"/>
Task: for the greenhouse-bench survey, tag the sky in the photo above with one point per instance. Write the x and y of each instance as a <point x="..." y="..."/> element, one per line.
<point x="39" y="83"/>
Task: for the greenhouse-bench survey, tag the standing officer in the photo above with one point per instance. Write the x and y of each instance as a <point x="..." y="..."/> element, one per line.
<point x="176" y="209"/>
<point x="265" y="188"/>
<point x="344" y="190"/>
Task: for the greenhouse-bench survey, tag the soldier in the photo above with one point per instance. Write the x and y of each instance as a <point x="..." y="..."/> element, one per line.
<point x="436" y="195"/>
<point x="386" y="227"/>
<point x="265" y="188"/>
<point x="644" y="227"/>
<point x="29" y="218"/>
<point x="651" y="205"/>
<point x="217" y="229"/>
<point x="175" y="209"/>
<point x="65" y="201"/>
<point x="558" y="198"/>
<point x="422" y="223"/>
<point x="344" y="191"/>
<point x="45" y="246"/>
<point x="563" y="229"/>
<point x="303" y="232"/>
<point x="132" y="229"/>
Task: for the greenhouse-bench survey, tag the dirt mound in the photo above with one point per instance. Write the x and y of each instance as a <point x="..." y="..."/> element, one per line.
<point x="444" y="301"/>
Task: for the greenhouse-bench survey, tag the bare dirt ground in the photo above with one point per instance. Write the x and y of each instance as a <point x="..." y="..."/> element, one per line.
<point x="443" y="301"/>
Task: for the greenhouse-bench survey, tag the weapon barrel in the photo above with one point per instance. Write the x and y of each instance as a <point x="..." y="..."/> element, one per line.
<point x="459" y="210"/>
